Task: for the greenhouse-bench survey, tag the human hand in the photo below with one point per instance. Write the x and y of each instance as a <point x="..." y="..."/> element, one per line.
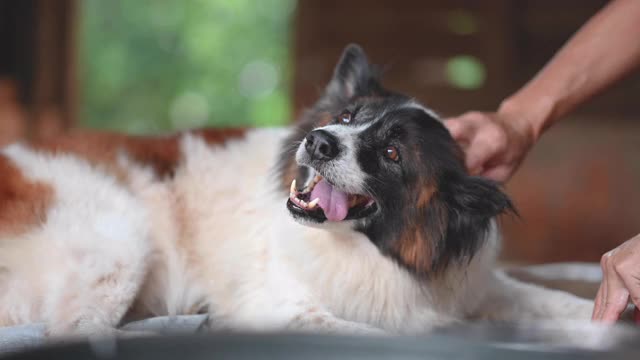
<point x="620" y="282"/>
<point x="495" y="143"/>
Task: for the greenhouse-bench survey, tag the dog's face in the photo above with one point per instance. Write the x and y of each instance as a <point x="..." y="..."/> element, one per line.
<point x="382" y="164"/>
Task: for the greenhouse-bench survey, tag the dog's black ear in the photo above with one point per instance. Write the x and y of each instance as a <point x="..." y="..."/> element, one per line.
<point x="353" y="76"/>
<point x="472" y="203"/>
<point x="480" y="197"/>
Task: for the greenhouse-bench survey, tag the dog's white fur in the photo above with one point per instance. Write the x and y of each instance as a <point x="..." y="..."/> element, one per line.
<point x="217" y="237"/>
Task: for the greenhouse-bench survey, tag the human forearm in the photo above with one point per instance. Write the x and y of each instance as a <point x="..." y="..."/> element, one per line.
<point x="599" y="54"/>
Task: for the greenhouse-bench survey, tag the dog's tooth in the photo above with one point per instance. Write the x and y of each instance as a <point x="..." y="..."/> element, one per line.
<point x="296" y="201"/>
<point x="313" y="203"/>
<point x="293" y="187"/>
<point x="303" y="203"/>
<point x="317" y="179"/>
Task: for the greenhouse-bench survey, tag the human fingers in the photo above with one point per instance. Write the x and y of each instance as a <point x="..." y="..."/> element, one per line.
<point x="460" y="128"/>
<point x="617" y="296"/>
<point x="603" y="286"/>
<point x="597" y="306"/>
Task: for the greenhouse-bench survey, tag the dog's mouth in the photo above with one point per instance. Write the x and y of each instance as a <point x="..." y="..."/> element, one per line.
<point x="320" y="201"/>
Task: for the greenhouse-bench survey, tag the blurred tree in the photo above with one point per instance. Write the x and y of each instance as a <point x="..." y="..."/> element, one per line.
<point x="149" y="65"/>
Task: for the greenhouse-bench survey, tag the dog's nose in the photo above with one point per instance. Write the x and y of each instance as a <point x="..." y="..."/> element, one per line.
<point x="321" y="145"/>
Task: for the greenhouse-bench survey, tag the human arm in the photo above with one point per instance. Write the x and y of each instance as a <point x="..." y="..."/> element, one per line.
<point x="603" y="51"/>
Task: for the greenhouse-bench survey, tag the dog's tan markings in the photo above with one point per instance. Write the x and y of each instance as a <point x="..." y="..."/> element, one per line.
<point x="23" y="203"/>
<point x="163" y="154"/>
<point x="424" y="196"/>
<point x="220" y="136"/>
<point x="415" y="248"/>
<point x="102" y="148"/>
<point x="325" y="118"/>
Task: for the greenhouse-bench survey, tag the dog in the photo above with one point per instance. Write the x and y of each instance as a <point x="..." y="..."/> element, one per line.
<point x="360" y="219"/>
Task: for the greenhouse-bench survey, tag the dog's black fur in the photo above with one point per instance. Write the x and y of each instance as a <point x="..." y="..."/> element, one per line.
<point x="430" y="212"/>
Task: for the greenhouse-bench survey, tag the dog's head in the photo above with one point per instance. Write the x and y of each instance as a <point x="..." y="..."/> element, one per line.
<point x="382" y="164"/>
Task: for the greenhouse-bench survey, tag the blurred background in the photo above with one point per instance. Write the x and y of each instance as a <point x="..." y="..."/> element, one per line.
<point x="148" y="67"/>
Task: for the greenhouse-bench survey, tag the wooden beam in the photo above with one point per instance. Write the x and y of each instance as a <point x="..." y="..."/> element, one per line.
<point x="55" y="87"/>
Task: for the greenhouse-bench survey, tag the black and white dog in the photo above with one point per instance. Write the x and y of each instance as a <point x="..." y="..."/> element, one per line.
<point x="369" y="224"/>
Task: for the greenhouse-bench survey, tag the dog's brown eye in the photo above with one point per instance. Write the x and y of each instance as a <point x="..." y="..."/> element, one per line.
<point x="392" y="153"/>
<point x="345" y="117"/>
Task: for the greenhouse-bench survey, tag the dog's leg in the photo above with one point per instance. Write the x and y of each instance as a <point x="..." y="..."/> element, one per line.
<point x="264" y="308"/>
<point x="311" y="319"/>
<point x="301" y="316"/>
<point x="278" y="302"/>
<point x="315" y="319"/>
<point x="73" y="290"/>
<point x="512" y="301"/>
<point x="562" y="317"/>
<point x="94" y="303"/>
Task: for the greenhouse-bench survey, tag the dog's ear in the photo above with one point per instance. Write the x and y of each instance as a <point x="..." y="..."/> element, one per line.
<point x="472" y="203"/>
<point x="480" y="197"/>
<point x="353" y="76"/>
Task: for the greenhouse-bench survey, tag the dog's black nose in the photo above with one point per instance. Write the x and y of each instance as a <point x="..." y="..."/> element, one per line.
<point x="321" y="145"/>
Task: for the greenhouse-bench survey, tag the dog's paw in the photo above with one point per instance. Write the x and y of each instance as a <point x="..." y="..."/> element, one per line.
<point x="325" y="323"/>
<point x="78" y="329"/>
<point x="361" y="329"/>
<point x="343" y="327"/>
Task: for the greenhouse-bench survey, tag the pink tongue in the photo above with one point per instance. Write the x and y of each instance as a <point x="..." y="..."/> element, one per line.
<point x="333" y="202"/>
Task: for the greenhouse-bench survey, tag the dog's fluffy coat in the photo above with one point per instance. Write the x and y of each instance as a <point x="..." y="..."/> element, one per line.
<point x="208" y="230"/>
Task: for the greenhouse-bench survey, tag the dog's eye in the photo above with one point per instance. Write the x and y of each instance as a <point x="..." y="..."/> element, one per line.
<point x="391" y="152"/>
<point x="345" y="117"/>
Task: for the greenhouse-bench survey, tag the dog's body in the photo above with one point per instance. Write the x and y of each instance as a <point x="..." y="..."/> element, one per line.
<point x="199" y="223"/>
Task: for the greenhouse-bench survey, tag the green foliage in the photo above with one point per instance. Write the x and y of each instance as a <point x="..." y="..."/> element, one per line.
<point x="153" y="65"/>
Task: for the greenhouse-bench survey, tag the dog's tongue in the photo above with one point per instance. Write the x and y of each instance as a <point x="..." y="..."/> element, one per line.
<point x="333" y="202"/>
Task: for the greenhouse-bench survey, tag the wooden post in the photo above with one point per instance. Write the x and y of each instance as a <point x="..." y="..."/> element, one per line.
<point x="55" y="87"/>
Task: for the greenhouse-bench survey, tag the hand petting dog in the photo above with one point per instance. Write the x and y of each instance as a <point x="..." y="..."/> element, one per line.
<point x="495" y="143"/>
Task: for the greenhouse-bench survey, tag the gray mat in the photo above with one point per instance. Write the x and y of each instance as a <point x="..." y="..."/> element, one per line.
<point x="17" y="338"/>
